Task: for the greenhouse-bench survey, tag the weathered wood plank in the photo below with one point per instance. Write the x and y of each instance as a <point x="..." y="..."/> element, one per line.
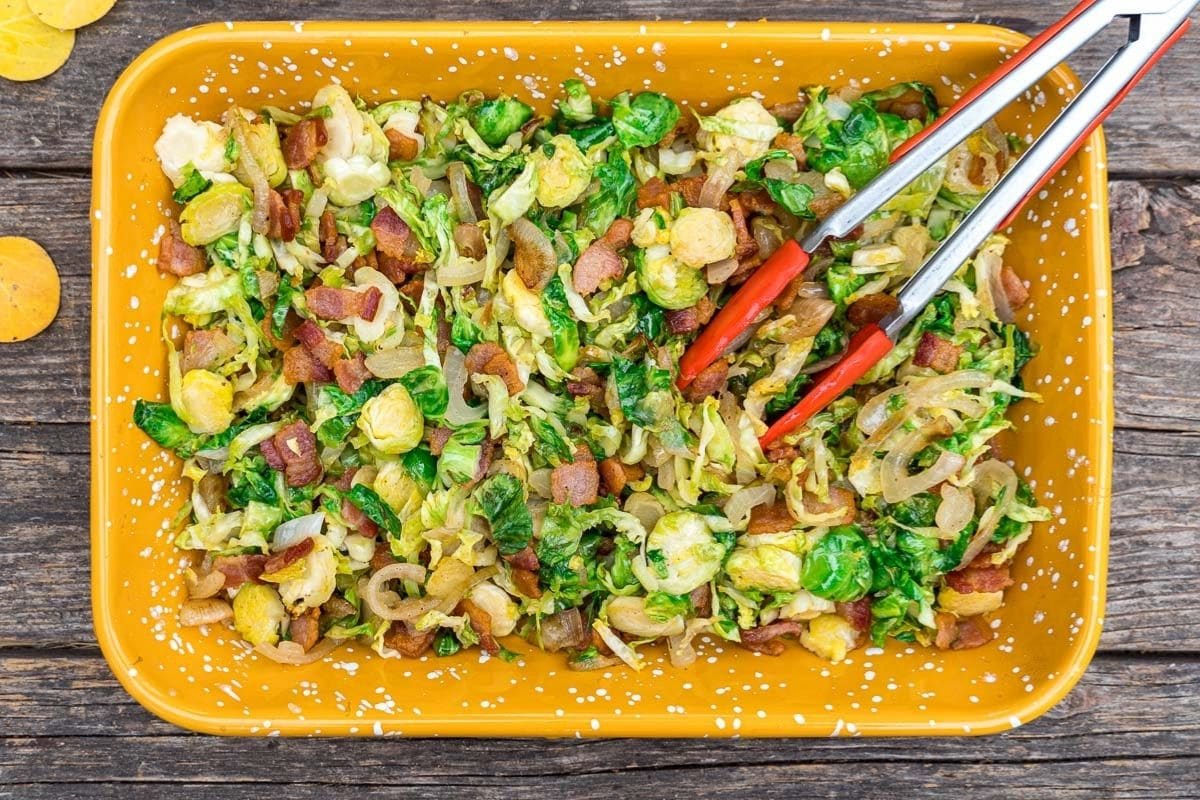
<point x="1154" y="586"/>
<point x="49" y="123"/>
<point x="69" y="710"/>
<point x="1156" y="257"/>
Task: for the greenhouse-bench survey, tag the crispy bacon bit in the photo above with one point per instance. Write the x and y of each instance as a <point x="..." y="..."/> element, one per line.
<point x="872" y="308"/>
<point x="481" y="623"/>
<point x="936" y="353"/>
<point x="206" y="349"/>
<point x="822" y="205"/>
<point x="306" y="628"/>
<point x="685" y="320"/>
<point x="303" y="141"/>
<point x="654" y="193"/>
<point x="791" y="111"/>
<point x="764" y="639"/>
<point x="526" y="582"/>
<point x="701" y="600"/>
<point x="406" y="641"/>
<point x="281" y="224"/>
<point x="577" y="483"/>
<point x="619" y="234"/>
<point x="858" y="614"/>
<point x="239" y="569"/>
<point x="393" y="237"/>
<point x="746" y="246"/>
<point x="301" y="366"/>
<point x="840" y="499"/>
<point x="332" y="245"/>
<point x="774" y="518"/>
<point x="398" y="270"/>
<point x="745" y="269"/>
<point x="710" y="381"/>
<point x="383" y="556"/>
<point x="780" y="453"/>
<point x="991" y="578"/>
<point x="288" y="555"/>
<point x="296" y="449"/>
<point x="960" y="634"/>
<point x="309" y="334"/>
<point x="177" y="257"/>
<point x="359" y="521"/>
<point x="401" y="147"/>
<point x="687" y="125"/>
<point x="351" y="373"/>
<point x="793" y="144"/>
<point x="489" y="358"/>
<point x="908" y="105"/>
<point x="757" y="202"/>
<point x="617" y="475"/>
<point x="524" y="559"/>
<point x="598" y="263"/>
<point x="705" y="309"/>
<point x="329" y="302"/>
<point x="485" y="461"/>
<point x="438" y="438"/>
<point x="288" y="339"/>
<point x="1014" y="288"/>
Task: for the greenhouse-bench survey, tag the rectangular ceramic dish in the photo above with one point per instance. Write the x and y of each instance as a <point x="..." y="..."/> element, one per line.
<point x="204" y="680"/>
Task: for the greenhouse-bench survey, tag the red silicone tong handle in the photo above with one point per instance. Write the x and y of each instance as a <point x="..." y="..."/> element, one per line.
<point x="766" y="284"/>
<point x="864" y="351"/>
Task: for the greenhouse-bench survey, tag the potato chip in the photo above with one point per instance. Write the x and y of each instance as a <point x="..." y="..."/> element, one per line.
<point x="29" y="48"/>
<point x="68" y="15"/>
<point x="29" y="289"/>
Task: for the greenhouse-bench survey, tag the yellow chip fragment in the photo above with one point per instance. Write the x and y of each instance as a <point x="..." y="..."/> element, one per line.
<point x="29" y="48"/>
<point x="29" y="289"/>
<point x="68" y="15"/>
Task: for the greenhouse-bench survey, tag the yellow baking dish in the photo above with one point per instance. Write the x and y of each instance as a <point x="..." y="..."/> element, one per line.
<point x="205" y="680"/>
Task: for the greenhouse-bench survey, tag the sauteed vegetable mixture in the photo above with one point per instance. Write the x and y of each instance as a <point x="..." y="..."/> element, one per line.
<point x="422" y="363"/>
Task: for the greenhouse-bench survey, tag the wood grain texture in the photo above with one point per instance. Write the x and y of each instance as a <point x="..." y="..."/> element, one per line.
<point x="49" y="123"/>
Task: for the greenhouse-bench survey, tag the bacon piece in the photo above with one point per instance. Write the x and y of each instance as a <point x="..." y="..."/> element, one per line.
<point x="840" y="499"/>
<point x="764" y="639"/>
<point x="577" y="483"/>
<point x="177" y="257"/>
<point x="332" y="245"/>
<point x="481" y="623"/>
<point x="936" y="353"/>
<point x="654" y="193"/>
<point x="309" y="334"/>
<point x="489" y="358"/>
<point x="682" y="321"/>
<point x="779" y="453"/>
<point x="710" y="381"/>
<point x="526" y="582"/>
<point x="746" y="246"/>
<point x="205" y="349"/>
<point x="991" y="578"/>
<point x="305" y="629"/>
<point x="687" y="125"/>
<point x="437" y="440"/>
<point x="239" y="569"/>
<point x="345" y="481"/>
<point x="328" y="302"/>
<point x="406" y="641"/>
<point x="705" y="310"/>
<point x="288" y="555"/>
<point x="598" y="263"/>
<point x="758" y="201"/>
<point x="303" y="141"/>
<point x="872" y="308"/>
<point x="281" y="224"/>
<point x="359" y="521"/>
<point x="1014" y="288"/>
<point x="822" y="205"/>
<point x="524" y="559"/>
<point x="383" y="557"/>
<point x="397" y="270"/>
<point x="617" y="475"/>
<point x="908" y="105"/>
<point x="701" y="600"/>
<point x="401" y="147"/>
<point x="619" y="234"/>
<point x="485" y="461"/>
<point x="351" y="373"/>
<point x="774" y="518"/>
<point x="393" y="237"/>
<point x="793" y="144"/>
<point x="585" y="382"/>
<point x="791" y="111"/>
<point x="858" y="614"/>
<point x="296" y="448"/>
<point x="960" y="634"/>
<point x="412" y="291"/>
<point x="301" y="366"/>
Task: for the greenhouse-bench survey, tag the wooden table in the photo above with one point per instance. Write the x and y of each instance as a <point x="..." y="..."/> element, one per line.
<point x="1131" y="728"/>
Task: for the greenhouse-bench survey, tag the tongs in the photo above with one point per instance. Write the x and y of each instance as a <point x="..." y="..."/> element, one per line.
<point x="1154" y="26"/>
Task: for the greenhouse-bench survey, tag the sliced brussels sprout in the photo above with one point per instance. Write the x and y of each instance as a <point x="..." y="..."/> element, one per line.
<point x="628" y="614"/>
<point x="495" y="120"/>
<point x="258" y="614"/>
<point x="680" y="554"/>
<point x="184" y="141"/>
<point x="205" y="401"/>
<point x="396" y="487"/>
<point x="701" y="236"/>
<point x="499" y="606"/>
<point x="263" y="140"/>
<point x="576" y="105"/>
<point x="526" y="305"/>
<point x="214" y="213"/>
<point x="316" y="581"/>
<point x="210" y="534"/>
<point x="352" y="180"/>
<point x="743" y="127"/>
<point x="839" y="565"/>
<point x="806" y="605"/>
<point x="643" y="121"/>
<point x="969" y="604"/>
<point x="563" y="174"/>
<point x="830" y="636"/>
<point x="668" y="282"/>
<point x="204" y="293"/>
<point x="392" y="422"/>
<point x="764" y="568"/>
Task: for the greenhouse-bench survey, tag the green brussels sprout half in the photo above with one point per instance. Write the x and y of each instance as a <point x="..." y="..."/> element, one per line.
<point x="839" y="566"/>
<point x="160" y="422"/>
<point x="668" y="282"/>
<point x="214" y="213"/>
<point x="681" y="554"/>
<point x="643" y="121"/>
<point x="392" y="421"/>
<point x="496" y="120"/>
<point x="564" y="172"/>
<point x="576" y="105"/>
<point x="764" y="568"/>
